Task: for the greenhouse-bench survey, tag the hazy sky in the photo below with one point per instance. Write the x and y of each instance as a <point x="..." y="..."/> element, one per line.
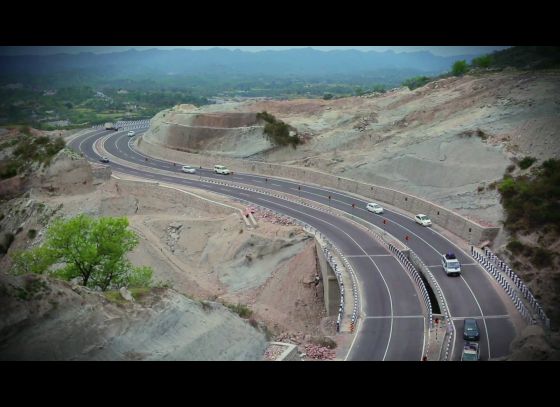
<point x="436" y="50"/>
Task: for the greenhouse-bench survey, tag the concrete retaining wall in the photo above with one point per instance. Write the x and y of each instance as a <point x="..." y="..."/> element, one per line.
<point x="331" y="291"/>
<point x="452" y="221"/>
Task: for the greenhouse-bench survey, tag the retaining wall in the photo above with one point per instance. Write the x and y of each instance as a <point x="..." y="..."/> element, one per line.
<point x="452" y="221"/>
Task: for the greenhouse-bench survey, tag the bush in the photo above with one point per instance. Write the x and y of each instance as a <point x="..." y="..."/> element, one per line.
<point x="277" y="131"/>
<point x="482" y="62"/>
<point x="242" y="310"/>
<point x="31" y="233"/>
<point x="510" y="168"/>
<point x="327" y="96"/>
<point x="515" y="246"/>
<point x="416" y="82"/>
<point x="526" y="162"/>
<point x="542" y="257"/>
<point x="459" y="68"/>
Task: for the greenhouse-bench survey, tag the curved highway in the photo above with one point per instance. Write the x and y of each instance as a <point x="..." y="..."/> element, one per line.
<point x="393" y="326"/>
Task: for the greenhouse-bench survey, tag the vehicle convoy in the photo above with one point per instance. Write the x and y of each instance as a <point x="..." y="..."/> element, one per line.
<point x="220" y="169"/>
<point x="471" y="352"/>
<point x="423" y="220"/>
<point x="373" y="207"/>
<point x="450" y="264"/>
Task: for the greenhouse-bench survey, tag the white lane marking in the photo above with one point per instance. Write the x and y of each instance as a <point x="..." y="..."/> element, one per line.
<point x="375" y="265"/>
<point x="485" y="317"/>
<point x="370" y="255"/>
<point x="396" y="316"/>
<point x="481" y="313"/>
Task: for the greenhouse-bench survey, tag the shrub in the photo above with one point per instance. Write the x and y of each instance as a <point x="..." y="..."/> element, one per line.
<point x="515" y="246"/>
<point x="242" y="310"/>
<point x="542" y="257"/>
<point x="482" y="62"/>
<point x="31" y="233"/>
<point x="327" y="96"/>
<point x="459" y="68"/>
<point x="526" y="162"/>
<point x="510" y="168"/>
<point x="416" y="82"/>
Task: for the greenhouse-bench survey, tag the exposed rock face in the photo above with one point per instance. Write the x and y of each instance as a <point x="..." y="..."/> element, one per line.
<point x="68" y="174"/>
<point x="44" y="319"/>
<point x="186" y="129"/>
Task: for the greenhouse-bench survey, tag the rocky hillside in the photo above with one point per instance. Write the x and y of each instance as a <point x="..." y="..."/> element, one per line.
<point x="444" y="141"/>
<point x="44" y="319"/>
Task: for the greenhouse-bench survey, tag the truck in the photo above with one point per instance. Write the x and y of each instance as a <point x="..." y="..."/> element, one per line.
<point x="110" y="126"/>
<point x="471" y="352"/>
<point x="450" y="264"/>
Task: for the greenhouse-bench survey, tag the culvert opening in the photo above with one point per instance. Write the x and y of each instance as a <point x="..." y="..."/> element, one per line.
<point x="431" y="295"/>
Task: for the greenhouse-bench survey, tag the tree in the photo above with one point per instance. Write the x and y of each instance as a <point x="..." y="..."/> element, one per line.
<point x="459" y="67"/>
<point x="482" y="62"/>
<point x="91" y="249"/>
<point x="327" y="96"/>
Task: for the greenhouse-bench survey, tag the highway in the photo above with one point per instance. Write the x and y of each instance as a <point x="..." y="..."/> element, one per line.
<point x="393" y="326"/>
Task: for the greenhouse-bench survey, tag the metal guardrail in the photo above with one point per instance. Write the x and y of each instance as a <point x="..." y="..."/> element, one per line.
<point x="527" y="294"/>
<point x="494" y="272"/>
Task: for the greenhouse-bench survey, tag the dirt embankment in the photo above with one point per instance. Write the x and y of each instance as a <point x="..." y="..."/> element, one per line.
<point x="203" y="251"/>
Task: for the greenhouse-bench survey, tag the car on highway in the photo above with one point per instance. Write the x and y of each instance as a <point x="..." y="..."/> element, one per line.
<point x="423" y="220"/>
<point x="470" y="330"/>
<point x="104" y="159"/>
<point x="220" y="169"/>
<point x="373" y="207"/>
<point x="471" y="352"/>
<point x="131" y="133"/>
<point x="450" y="264"/>
<point x="188" y="169"/>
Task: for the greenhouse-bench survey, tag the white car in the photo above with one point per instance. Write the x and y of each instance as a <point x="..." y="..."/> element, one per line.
<point x="189" y="169"/>
<point x="220" y="169"/>
<point x="131" y="133"/>
<point x="373" y="207"/>
<point x="423" y="220"/>
<point x="104" y="159"/>
<point x="450" y="264"/>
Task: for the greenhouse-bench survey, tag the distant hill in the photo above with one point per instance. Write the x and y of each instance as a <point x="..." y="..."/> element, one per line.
<point x="305" y="62"/>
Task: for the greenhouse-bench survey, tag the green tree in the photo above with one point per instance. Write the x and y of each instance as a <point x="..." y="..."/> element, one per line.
<point x="482" y="62"/>
<point x="459" y="67"/>
<point x="91" y="249"/>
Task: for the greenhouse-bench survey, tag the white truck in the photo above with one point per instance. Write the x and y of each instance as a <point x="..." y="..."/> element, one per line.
<point x="110" y="126"/>
<point x="471" y="352"/>
<point x="450" y="264"/>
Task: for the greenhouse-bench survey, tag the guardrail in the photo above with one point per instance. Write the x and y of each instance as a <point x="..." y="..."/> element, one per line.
<point x="491" y="269"/>
<point x="527" y="294"/>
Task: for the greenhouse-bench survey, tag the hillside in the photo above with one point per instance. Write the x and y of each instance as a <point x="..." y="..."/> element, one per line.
<point x="446" y="141"/>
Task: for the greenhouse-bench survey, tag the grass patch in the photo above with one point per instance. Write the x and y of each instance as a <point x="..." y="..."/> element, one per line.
<point x="115" y="297"/>
<point x="139" y="292"/>
<point x="240" y="309"/>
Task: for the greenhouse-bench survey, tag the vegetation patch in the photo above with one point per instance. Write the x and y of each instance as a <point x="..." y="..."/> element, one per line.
<point x="277" y="131"/>
<point x="526" y="162"/>
<point x="240" y="309"/>
<point x="93" y="250"/>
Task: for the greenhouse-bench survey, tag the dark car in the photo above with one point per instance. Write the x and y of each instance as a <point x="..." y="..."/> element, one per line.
<point x="471" y="331"/>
